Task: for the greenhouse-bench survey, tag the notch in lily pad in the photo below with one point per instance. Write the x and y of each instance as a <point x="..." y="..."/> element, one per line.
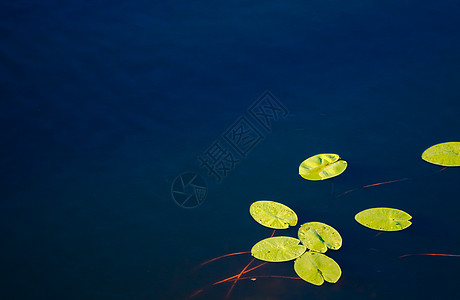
<point x="322" y="166"/>
<point x="384" y="219"/>
<point x="319" y="237"/>
<point x="443" y="154"/>
<point x="273" y="214"/>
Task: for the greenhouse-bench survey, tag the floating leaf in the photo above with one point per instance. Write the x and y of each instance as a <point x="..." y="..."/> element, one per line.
<point x="319" y="236"/>
<point x="273" y="214"/>
<point x="384" y="219"/>
<point x="278" y="249"/>
<point x="322" y="166"/>
<point x="444" y="154"/>
<point x="315" y="267"/>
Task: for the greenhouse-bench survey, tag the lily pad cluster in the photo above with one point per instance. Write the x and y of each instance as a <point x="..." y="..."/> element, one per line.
<point x="314" y="238"/>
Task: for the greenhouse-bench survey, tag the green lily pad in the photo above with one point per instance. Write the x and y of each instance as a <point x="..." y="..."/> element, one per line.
<point x="278" y="249"/>
<point x="319" y="236"/>
<point x="322" y="166"/>
<point x="316" y="268"/>
<point x="273" y="214"/>
<point x="444" y="154"/>
<point x="384" y="219"/>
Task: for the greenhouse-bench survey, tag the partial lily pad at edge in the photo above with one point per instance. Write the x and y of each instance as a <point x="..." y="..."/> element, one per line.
<point x="278" y="249"/>
<point x="316" y="268"/>
<point x="322" y="166"/>
<point x="443" y="154"/>
<point x="273" y="214"/>
<point x="319" y="237"/>
<point x="384" y="219"/>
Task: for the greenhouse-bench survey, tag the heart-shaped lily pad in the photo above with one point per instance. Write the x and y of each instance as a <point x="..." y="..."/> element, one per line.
<point x="278" y="249"/>
<point x="322" y="166"/>
<point x="319" y="236"/>
<point x="444" y="154"/>
<point x="384" y="219"/>
<point x="273" y="214"/>
<point x="316" y="268"/>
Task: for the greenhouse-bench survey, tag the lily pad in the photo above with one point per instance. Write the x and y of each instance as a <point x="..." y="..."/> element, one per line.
<point x="322" y="166"/>
<point x="273" y="214"/>
<point x="384" y="219"/>
<point x="444" y="154"/>
<point x="319" y="236"/>
<point x="316" y="268"/>
<point x="278" y="249"/>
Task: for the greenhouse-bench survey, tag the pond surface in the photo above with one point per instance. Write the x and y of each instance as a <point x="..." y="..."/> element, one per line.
<point x="104" y="104"/>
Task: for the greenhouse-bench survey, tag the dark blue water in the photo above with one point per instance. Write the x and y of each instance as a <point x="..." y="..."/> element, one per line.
<point x="104" y="103"/>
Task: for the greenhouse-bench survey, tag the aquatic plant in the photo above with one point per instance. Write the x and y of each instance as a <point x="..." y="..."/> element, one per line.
<point x="278" y="249"/>
<point x="319" y="237"/>
<point x="273" y="214"/>
<point x="315" y="238"/>
<point x="311" y="266"/>
<point x="316" y="268"/>
<point x="384" y="219"/>
<point x="443" y="154"/>
<point x="322" y="166"/>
